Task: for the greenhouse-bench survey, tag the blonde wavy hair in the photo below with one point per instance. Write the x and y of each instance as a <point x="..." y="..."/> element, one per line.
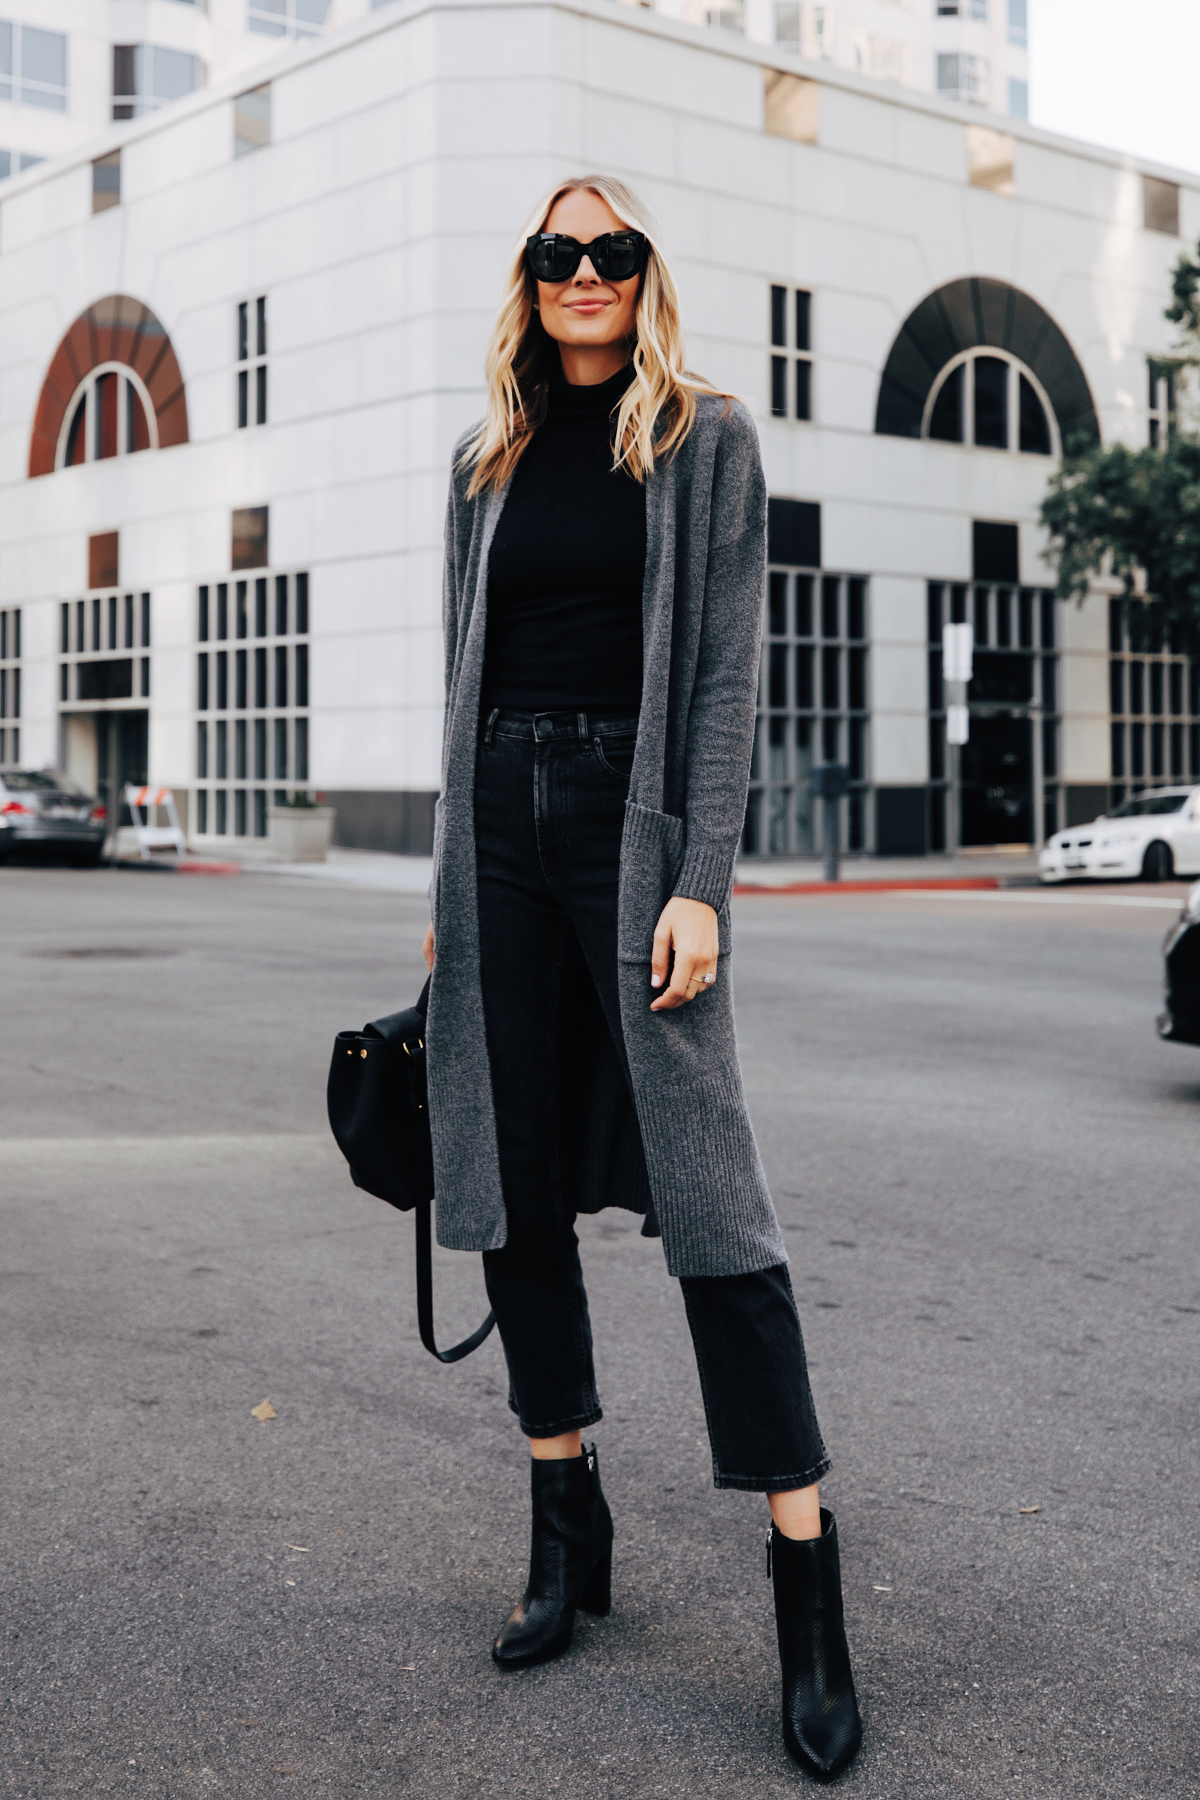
<point x="657" y="409"/>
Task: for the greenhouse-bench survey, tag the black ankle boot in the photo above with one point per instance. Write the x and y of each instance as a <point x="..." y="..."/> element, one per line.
<point x="821" y="1725"/>
<point x="570" y="1561"/>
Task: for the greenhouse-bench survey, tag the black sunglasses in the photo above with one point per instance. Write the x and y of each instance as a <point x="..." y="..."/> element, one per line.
<point x="617" y="256"/>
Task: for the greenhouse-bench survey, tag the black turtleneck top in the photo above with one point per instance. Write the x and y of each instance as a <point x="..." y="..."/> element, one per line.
<point x="566" y="566"/>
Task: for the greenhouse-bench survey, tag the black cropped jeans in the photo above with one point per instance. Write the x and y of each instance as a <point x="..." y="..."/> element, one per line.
<point x="549" y="810"/>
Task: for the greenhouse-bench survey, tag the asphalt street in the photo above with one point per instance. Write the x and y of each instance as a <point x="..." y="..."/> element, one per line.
<point x="985" y="1163"/>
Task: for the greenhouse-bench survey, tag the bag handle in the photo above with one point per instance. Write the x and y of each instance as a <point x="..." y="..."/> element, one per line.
<point x="424" y="1232"/>
<point x="425" y="1297"/>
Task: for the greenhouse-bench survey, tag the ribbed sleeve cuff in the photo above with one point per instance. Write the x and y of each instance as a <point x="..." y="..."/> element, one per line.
<point x="706" y="874"/>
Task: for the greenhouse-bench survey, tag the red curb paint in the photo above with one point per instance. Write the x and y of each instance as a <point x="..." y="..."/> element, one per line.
<point x="208" y="868"/>
<point x="979" y="884"/>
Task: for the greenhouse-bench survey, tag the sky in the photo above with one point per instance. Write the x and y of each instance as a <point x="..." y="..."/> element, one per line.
<point x="1119" y="72"/>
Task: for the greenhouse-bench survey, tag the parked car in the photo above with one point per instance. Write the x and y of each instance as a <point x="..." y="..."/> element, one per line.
<point x="40" y="807"/>
<point x="1181" y="954"/>
<point x="1155" y="835"/>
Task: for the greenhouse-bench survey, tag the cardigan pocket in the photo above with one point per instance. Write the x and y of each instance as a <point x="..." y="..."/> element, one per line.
<point x="439" y="838"/>
<point x="652" y="847"/>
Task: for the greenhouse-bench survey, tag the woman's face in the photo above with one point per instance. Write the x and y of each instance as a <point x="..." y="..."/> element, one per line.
<point x="586" y="312"/>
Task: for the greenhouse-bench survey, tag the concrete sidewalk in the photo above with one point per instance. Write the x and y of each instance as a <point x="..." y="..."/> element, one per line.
<point x="356" y="868"/>
<point x="411" y="874"/>
<point x="1008" y="867"/>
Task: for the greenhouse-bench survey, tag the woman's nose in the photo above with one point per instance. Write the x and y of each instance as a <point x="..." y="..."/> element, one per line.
<point x="585" y="271"/>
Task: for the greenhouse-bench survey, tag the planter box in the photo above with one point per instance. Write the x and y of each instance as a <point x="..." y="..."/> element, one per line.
<point x="299" y="833"/>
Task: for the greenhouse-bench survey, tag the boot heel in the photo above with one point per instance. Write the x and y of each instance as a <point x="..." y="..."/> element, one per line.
<point x="597" y="1589"/>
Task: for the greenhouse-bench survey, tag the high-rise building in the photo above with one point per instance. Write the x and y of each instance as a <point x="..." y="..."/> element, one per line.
<point x="68" y="68"/>
<point x="971" y="50"/>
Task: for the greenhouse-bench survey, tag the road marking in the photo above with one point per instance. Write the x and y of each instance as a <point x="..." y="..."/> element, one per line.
<point x="38" y="1151"/>
<point x="1038" y="899"/>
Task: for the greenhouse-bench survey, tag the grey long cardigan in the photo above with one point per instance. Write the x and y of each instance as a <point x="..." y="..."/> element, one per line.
<point x="702" y="615"/>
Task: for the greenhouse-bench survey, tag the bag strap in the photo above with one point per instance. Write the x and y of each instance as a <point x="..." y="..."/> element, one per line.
<point x="425" y="1297"/>
<point x="412" y="1042"/>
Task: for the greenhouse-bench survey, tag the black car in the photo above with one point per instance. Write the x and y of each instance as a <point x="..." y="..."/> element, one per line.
<point x="40" y="808"/>
<point x="1181" y="954"/>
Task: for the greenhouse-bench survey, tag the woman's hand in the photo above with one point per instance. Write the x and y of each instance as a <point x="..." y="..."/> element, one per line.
<point x="427" y="949"/>
<point x="689" y="928"/>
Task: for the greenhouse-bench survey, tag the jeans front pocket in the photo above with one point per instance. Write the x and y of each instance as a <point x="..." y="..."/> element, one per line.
<point x="614" y="753"/>
<point x="652" y="850"/>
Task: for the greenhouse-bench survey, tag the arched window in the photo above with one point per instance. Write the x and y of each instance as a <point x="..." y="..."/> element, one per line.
<point x="109" y="414"/>
<point x="987" y="398"/>
<point x="979" y="362"/>
<point x="113" y="386"/>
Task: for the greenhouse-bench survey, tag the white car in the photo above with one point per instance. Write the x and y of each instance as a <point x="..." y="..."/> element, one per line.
<point x="1155" y="835"/>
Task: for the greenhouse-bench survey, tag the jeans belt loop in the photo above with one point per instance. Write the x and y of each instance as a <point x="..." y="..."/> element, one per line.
<point x="582" y="722"/>
<point x="490" y="727"/>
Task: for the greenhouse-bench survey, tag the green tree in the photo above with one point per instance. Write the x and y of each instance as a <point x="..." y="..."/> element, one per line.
<point x="1134" y="515"/>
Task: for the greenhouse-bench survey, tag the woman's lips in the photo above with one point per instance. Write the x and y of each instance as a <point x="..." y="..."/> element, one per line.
<point x="587" y="306"/>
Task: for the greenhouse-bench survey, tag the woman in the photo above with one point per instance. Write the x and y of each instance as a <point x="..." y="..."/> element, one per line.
<point x="605" y="551"/>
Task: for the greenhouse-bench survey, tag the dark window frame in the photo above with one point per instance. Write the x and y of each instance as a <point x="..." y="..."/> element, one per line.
<point x="814" y="706"/>
<point x="790" y="369"/>
<point x="1154" y="706"/>
<point x="267" y="717"/>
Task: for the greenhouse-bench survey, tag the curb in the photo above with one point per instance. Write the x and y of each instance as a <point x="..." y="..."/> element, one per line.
<point x="187" y="867"/>
<point x="968" y="885"/>
<point x="208" y="868"/>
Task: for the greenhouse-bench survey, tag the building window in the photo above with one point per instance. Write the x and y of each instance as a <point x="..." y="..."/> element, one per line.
<point x="252" y="688"/>
<point x="1154" y="700"/>
<point x="787" y="23"/>
<point x="1018" y="98"/>
<point x="812" y="708"/>
<point x="1161" y="408"/>
<point x="252" y="362"/>
<point x="729" y="15"/>
<point x="791" y="374"/>
<point x="790" y="106"/>
<point x="961" y="77"/>
<point x="963" y="9"/>
<point x="104" y="647"/>
<point x="33" y="67"/>
<point x="13" y="161"/>
<point x="147" y="76"/>
<point x="110" y="414"/>
<point x="252" y="120"/>
<point x="1012" y="751"/>
<point x="287" y="18"/>
<point x="884" y="58"/>
<point x="10" y="686"/>
<point x="1160" y="205"/>
<point x="250" y="537"/>
<point x="990" y="159"/>
<point x="987" y="398"/>
<point x="1018" y="23"/>
<point x="106" y="181"/>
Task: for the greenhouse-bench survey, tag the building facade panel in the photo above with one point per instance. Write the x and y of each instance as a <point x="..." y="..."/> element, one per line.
<point x="900" y="745"/>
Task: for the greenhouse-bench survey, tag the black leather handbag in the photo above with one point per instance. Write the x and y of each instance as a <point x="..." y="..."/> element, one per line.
<point x="379" y="1113"/>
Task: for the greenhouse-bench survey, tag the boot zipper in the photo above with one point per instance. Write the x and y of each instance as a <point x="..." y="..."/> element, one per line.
<point x="770" y="1534"/>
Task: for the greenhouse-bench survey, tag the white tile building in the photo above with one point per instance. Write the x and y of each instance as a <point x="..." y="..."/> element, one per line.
<point x="239" y="608"/>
